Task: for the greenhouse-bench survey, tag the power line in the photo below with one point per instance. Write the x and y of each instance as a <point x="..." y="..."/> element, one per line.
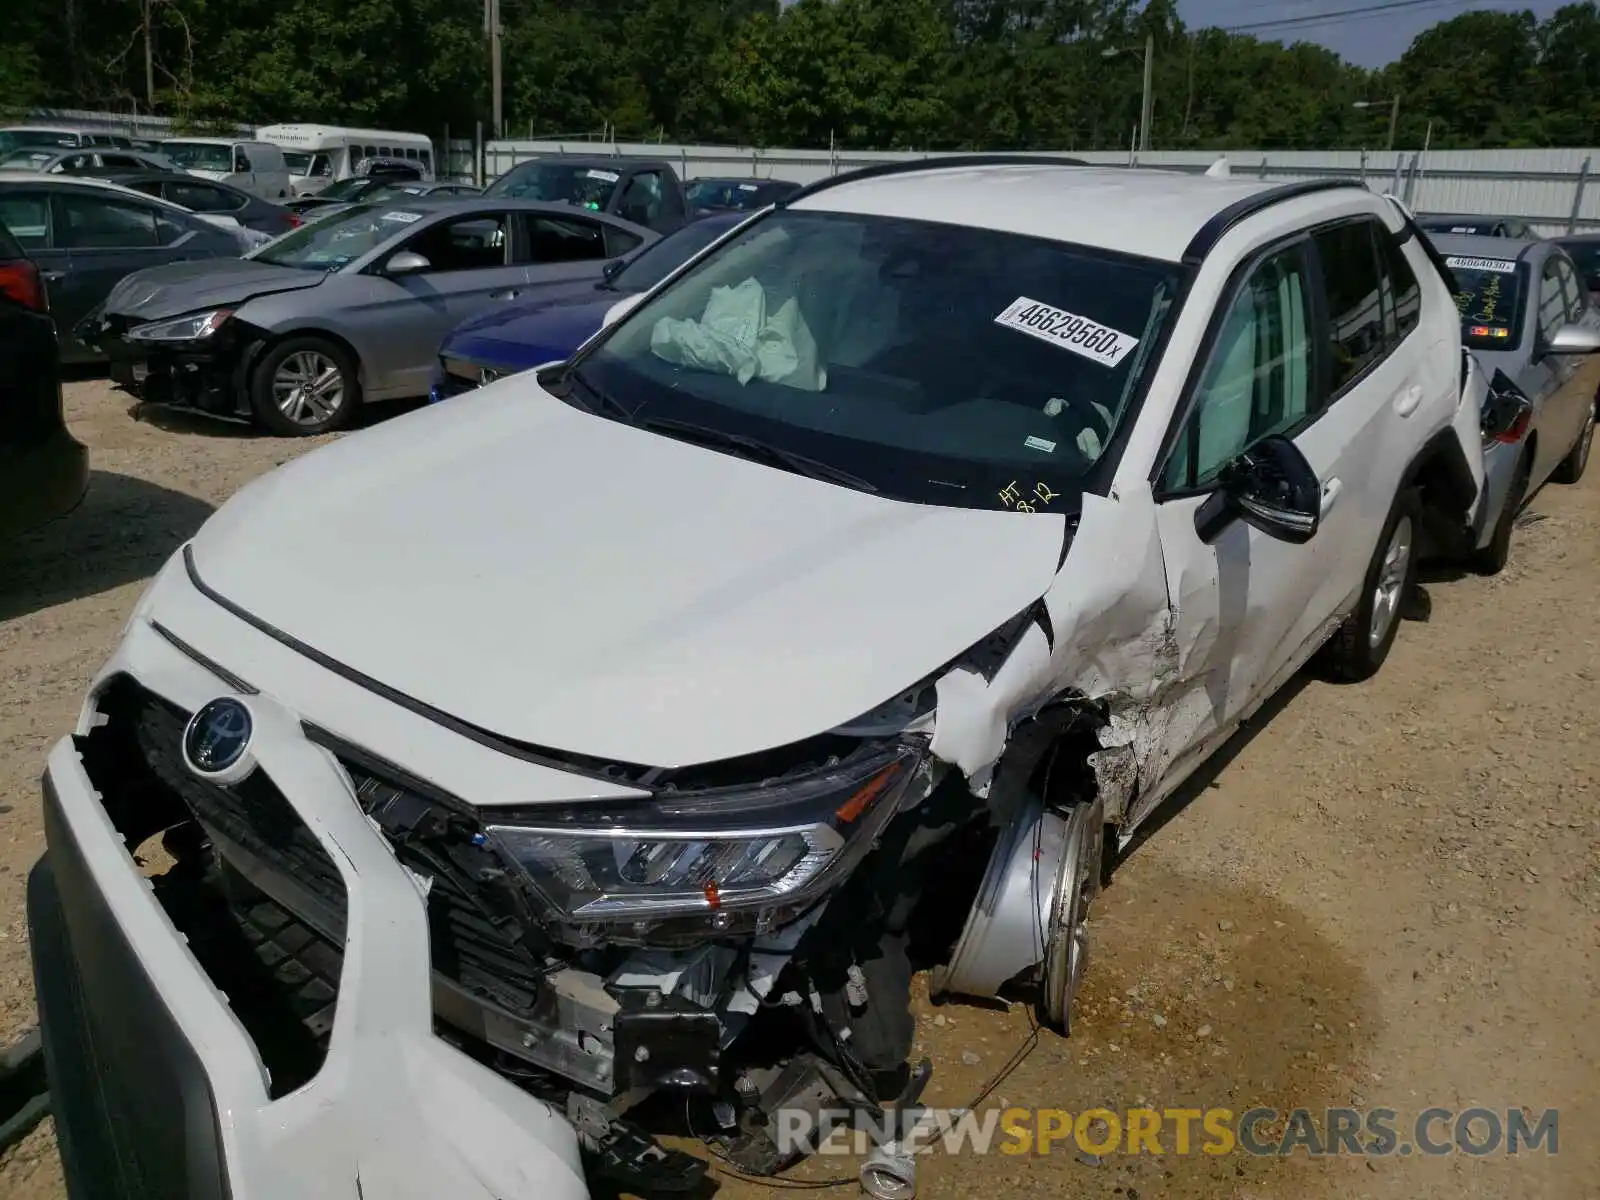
<point x="1340" y="14"/>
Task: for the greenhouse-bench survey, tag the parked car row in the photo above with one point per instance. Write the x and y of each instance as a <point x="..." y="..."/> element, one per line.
<point x="638" y="726"/>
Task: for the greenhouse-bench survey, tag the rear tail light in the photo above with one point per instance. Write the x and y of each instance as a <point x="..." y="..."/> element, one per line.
<point x="294" y="221"/>
<point x="21" y="282"/>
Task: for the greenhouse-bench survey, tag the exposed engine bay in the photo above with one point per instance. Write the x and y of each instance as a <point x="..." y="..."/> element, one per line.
<point x="710" y="1021"/>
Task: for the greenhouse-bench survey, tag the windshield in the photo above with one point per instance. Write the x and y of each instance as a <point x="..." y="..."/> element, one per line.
<point x="558" y="183"/>
<point x="1462" y="226"/>
<point x="297" y="161"/>
<point x="943" y="364"/>
<point x="334" y="242"/>
<point x="348" y="189"/>
<point x="725" y="194"/>
<point x="655" y="262"/>
<point x="199" y="156"/>
<point x="13" y="139"/>
<point x="389" y="191"/>
<point x="1489" y="298"/>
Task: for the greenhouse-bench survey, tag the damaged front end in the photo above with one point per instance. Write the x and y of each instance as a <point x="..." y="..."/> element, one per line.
<point x="198" y="362"/>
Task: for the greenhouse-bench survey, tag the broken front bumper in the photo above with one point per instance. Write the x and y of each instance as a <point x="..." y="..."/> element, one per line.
<point x="164" y="1092"/>
<point x="209" y="376"/>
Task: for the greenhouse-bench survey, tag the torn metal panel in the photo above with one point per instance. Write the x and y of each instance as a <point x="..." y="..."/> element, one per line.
<point x="1113" y="641"/>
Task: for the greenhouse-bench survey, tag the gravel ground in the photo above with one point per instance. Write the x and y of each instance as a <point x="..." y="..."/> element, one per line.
<point x="1388" y="895"/>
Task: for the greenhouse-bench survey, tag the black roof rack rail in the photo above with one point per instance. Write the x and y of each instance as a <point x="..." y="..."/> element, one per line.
<point x="1209" y="234"/>
<point x="933" y="163"/>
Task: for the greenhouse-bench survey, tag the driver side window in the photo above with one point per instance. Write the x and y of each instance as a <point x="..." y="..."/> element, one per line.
<point x="1258" y="381"/>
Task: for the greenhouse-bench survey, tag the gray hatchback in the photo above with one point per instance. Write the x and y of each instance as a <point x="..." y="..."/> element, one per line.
<point x="346" y="309"/>
<point x="1527" y="318"/>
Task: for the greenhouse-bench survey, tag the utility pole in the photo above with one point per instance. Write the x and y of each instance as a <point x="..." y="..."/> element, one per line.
<point x="1144" y="110"/>
<point x="147" y="12"/>
<point x="1394" y="117"/>
<point x="491" y="28"/>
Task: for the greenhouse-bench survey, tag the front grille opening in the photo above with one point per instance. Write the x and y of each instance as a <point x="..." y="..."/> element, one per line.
<point x="205" y="849"/>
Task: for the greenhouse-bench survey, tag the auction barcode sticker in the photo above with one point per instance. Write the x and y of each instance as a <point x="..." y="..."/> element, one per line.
<point x="1498" y="265"/>
<point x="1068" y="330"/>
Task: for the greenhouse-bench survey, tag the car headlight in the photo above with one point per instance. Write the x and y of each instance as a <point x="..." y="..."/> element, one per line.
<point x="718" y="860"/>
<point x="182" y="329"/>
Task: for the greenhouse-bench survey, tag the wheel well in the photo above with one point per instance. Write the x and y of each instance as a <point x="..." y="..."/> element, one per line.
<point x="1442" y="478"/>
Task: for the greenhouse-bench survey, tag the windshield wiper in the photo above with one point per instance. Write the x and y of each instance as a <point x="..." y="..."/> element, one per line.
<point x="598" y="402"/>
<point x="755" y="450"/>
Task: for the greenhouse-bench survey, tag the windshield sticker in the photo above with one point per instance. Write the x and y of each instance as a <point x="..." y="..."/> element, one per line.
<point x="402" y="218"/>
<point x="747" y="187"/>
<point x="1498" y="265"/>
<point x="1485" y="331"/>
<point x="1039" y="443"/>
<point x="1488" y="305"/>
<point x="604" y="176"/>
<point x="1092" y="340"/>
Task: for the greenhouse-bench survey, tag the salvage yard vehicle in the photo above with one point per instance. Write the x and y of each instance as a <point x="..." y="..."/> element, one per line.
<point x="207" y="196"/>
<point x="823" y="618"/>
<point x="549" y="322"/>
<point x="1475" y="225"/>
<point x="709" y="195"/>
<point x="85" y="235"/>
<point x="351" y="308"/>
<point x="44" y="470"/>
<point x="1526" y="317"/>
<point x="255" y="167"/>
<point x="322" y="154"/>
<point x="646" y="191"/>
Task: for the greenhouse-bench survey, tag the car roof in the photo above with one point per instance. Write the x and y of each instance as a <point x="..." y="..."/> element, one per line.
<point x="606" y="162"/>
<point x="1591" y="236"/>
<point x="742" y="179"/>
<point x="1464" y="218"/>
<point x="90" y="182"/>
<point x="1151" y="213"/>
<point x="1481" y="245"/>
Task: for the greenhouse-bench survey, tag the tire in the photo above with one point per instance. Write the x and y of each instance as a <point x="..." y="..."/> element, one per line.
<point x="1359" y="646"/>
<point x="1066" y="956"/>
<point x="1571" y="468"/>
<point x="296" y="413"/>
<point x="1492" y="558"/>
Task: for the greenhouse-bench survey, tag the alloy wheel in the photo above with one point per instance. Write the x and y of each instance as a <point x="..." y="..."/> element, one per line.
<point x="308" y="388"/>
<point x="1392" y="575"/>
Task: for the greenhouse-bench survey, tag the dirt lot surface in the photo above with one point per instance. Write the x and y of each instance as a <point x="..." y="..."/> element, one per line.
<point x="1388" y="896"/>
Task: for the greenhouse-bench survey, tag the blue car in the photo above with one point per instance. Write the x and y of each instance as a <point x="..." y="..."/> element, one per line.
<point x="561" y="317"/>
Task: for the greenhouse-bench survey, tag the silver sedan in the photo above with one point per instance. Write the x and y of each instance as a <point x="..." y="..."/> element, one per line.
<point x="1527" y="318"/>
<point x="346" y="309"/>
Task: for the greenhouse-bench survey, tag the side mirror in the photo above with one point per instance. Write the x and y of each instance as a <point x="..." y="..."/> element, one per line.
<point x="1574" y="339"/>
<point x="609" y="271"/>
<point x="1270" y="487"/>
<point x="406" y="262"/>
<point x="620" y="309"/>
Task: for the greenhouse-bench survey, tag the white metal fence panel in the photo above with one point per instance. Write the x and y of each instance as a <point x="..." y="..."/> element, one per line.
<point x="1549" y="188"/>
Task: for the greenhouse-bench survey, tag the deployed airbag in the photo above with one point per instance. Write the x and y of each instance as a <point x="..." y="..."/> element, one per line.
<point x="736" y="336"/>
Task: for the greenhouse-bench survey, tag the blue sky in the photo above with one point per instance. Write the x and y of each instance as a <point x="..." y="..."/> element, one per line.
<point x="1369" y="41"/>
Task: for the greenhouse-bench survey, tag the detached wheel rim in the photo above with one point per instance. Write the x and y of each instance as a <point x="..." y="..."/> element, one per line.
<point x="1067" y="952"/>
<point x="1389" y="593"/>
<point x="308" y="387"/>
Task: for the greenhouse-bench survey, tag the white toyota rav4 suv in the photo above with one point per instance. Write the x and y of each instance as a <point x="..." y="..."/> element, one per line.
<point x="619" y="738"/>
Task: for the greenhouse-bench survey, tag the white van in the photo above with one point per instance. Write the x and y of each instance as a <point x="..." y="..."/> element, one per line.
<point x="255" y="167"/>
<point x="320" y="154"/>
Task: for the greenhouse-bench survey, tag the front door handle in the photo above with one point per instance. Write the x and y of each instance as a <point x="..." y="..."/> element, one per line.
<point x="506" y="294"/>
<point x="52" y="276"/>
<point x="1406" y="402"/>
<point x="1330" y="494"/>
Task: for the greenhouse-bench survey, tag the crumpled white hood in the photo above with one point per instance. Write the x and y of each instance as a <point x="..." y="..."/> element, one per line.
<point x="571" y="582"/>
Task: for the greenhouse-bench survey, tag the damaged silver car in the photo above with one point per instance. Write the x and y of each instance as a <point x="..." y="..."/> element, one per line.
<point x="602" y="754"/>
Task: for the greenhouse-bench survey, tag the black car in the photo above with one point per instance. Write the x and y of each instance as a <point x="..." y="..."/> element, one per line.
<point x="85" y="235"/>
<point x="355" y="188"/>
<point x="43" y="470"/>
<point x="1476" y="225"/>
<point x="204" y="196"/>
<point x="709" y="195"/>
<point x="646" y="191"/>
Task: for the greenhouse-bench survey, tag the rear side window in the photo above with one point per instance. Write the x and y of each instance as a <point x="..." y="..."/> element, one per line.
<point x="1352" y="285"/>
<point x="27" y="216"/>
<point x="201" y="197"/>
<point x="1576" y="295"/>
<point x="93" y="223"/>
<point x="1552" y="302"/>
<point x="561" y="239"/>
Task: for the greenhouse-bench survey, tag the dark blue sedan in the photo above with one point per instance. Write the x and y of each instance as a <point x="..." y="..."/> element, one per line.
<point x="558" y="318"/>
